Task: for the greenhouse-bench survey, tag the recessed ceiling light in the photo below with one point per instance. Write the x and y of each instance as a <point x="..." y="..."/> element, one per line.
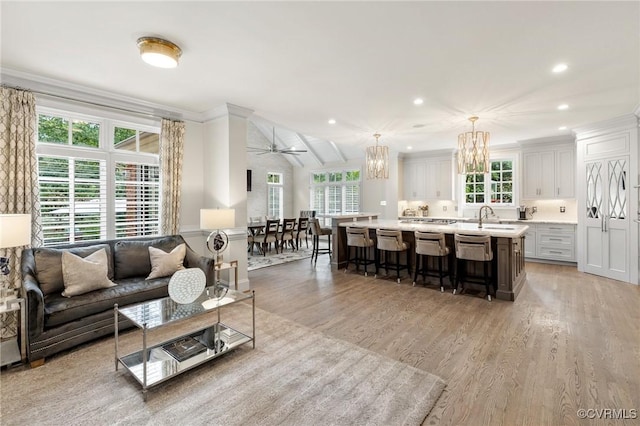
<point x="409" y="147"/>
<point x="562" y="128"/>
<point x="562" y="107"/>
<point x="331" y="121"/>
<point x="418" y="101"/>
<point x="560" y="68"/>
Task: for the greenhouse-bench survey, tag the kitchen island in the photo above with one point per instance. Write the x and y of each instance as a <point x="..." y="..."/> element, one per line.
<point x="507" y="241"/>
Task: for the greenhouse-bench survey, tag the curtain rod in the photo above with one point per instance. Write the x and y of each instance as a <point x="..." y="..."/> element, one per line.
<point x="131" y="111"/>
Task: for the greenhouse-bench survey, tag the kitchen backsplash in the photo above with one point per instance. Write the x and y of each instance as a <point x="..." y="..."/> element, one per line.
<point x="547" y="209"/>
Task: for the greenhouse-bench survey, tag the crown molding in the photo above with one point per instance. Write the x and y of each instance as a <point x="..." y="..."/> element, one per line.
<point x="549" y="140"/>
<point x="53" y="88"/>
<point x="225" y="110"/>
<point x="621" y="123"/>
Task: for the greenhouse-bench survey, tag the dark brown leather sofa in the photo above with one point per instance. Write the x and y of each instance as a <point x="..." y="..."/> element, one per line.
<point x="56" y="323"/>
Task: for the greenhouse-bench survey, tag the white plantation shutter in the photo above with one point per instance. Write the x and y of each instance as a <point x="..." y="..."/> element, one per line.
<point x="352" y="198"/>
<point x="73" y="197"/>
<point x="335" y="199"/>
<point x="97" y="178"/>
<point x="137" y="199"/>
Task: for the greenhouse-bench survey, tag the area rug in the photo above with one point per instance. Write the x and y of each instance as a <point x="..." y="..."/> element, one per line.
<point x="294" y="376"/>
<point x="257" y="261"/>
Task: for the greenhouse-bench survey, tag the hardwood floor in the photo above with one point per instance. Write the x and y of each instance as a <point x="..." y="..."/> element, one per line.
<point x="570" y="341"/>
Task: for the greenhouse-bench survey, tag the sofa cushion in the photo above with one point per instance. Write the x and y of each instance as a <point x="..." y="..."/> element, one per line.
<point x="164" y="264"/>
<point x="82" y="275"/>
<point x="60" y="310"/>
<point x="131" y="258"/>
<point x="48" y="265"/>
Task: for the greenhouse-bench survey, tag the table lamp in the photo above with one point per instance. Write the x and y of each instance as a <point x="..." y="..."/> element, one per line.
<point x="216" y="219"/>
<point x="15" y="230"/>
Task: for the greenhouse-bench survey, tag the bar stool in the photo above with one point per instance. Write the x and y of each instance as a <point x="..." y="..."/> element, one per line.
<point x="316" y="232"/>
<point x="358" y="238"/>
<point x="478" y="249"/>
<point x="431" y="244"/>
<point x="391" y="241"/>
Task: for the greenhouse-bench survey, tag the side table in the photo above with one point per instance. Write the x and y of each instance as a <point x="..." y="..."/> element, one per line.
<point x="233" y="264"/>
<point x="10" y="352"/>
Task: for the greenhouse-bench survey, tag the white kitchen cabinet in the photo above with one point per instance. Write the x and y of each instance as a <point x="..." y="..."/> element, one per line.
<point x="549" y="173"/>
<point x="428" y="178"/>
<point x="607" y="171"/>
<point x="439" y="181"/>
<point x="414" y="180"/>
<point x="530" y="242"/>
<point x="556" y="242"/>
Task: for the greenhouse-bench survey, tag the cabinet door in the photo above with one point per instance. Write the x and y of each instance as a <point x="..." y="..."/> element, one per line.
<point x="414" y="180"/>
<point x="444" y="189"/>
<point x="531" y="176"/>
<point x="606" y="218"/>
<point x="565" y="173"/>
<point x="530" y="242"/>
<point x="547" y="183"/>
<point x="438" y="179"/>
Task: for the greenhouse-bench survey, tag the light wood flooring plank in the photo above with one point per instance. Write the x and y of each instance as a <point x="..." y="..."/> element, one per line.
<point x="570" y="340"/>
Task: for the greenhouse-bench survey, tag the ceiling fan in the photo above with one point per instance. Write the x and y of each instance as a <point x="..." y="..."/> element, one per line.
<point x="273" y="149"/>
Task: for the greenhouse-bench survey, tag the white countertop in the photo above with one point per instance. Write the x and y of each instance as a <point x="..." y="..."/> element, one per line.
<point x="494" y="221"/>
<point x="492" y="229"/>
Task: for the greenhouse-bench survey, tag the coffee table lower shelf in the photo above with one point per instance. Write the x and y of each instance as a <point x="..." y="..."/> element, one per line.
<point x="162" y="365"/>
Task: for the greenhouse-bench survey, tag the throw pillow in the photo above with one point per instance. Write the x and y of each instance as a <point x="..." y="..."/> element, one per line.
<point x="82" y="275"/>
<point x="163" y="263"/>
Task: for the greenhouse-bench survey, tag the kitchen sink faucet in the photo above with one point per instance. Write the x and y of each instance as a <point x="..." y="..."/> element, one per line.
<point x="486" y="215"/>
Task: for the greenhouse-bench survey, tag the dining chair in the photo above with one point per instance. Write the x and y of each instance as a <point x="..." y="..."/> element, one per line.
<point x="269" y="236"/>
<point x="286" y="234"/>
<point x="302" y="230"/>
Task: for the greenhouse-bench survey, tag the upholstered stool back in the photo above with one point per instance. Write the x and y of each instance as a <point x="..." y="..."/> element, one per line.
<point x="431" y="244"/>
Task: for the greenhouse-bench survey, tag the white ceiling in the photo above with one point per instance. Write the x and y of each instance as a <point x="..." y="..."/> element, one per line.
<point x="297" y="64"/>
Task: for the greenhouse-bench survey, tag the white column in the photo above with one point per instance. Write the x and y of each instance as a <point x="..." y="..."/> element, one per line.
<point x="225" y="168"/>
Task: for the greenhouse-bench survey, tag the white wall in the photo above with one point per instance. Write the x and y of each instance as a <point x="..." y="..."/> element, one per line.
<point x="260" y="165"/>
<point x="192" y="177"/>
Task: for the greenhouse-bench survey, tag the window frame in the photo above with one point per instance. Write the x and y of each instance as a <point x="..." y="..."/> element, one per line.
<point x="513" y="158"/>
<point x="279" y="187"/>
<point x="328" y="184"/>
<point x="105" y="151"/>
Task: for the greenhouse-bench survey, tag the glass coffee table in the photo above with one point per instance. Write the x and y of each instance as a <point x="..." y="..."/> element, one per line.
<point x="160" y="362"/>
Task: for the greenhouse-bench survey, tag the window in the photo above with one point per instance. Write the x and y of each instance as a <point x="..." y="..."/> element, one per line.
<point x="335" y="192"/>
<point x="96" y="184"/>
<point x="495" y="187"/>
<point x="275" y="192"/>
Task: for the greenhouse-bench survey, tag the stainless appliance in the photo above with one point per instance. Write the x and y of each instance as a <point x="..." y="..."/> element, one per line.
<point x="522" y="213"/>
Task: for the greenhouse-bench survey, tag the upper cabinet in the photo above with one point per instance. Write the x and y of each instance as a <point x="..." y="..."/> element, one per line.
<point x="414" y="180"/>
<point x="439" y="182"/>
<point x="548" y="171"/>
<point x="428" y="178"/>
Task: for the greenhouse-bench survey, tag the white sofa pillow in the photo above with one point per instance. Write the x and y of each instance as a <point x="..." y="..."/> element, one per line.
<point x="82" y="275"/>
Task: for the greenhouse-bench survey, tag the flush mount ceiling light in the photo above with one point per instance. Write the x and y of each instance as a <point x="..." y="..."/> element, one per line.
<point x="473" y="150"/>
<point x="377" y="161"/>
<point x="562" y="107"/>
<point x="418" y="101"/>
<point x="159" y="52"/>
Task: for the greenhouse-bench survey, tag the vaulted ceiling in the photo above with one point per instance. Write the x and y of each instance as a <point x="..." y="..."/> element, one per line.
<point x="299" y="64"/>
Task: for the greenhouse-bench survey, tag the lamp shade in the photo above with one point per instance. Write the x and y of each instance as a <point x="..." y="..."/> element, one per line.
<point x="217" y="218"/>
<point x="15" y="230"/>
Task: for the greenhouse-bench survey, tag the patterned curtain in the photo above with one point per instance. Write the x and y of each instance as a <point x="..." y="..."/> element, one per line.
<point x="171" y="153"/>
<point x="18" y="180"/>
